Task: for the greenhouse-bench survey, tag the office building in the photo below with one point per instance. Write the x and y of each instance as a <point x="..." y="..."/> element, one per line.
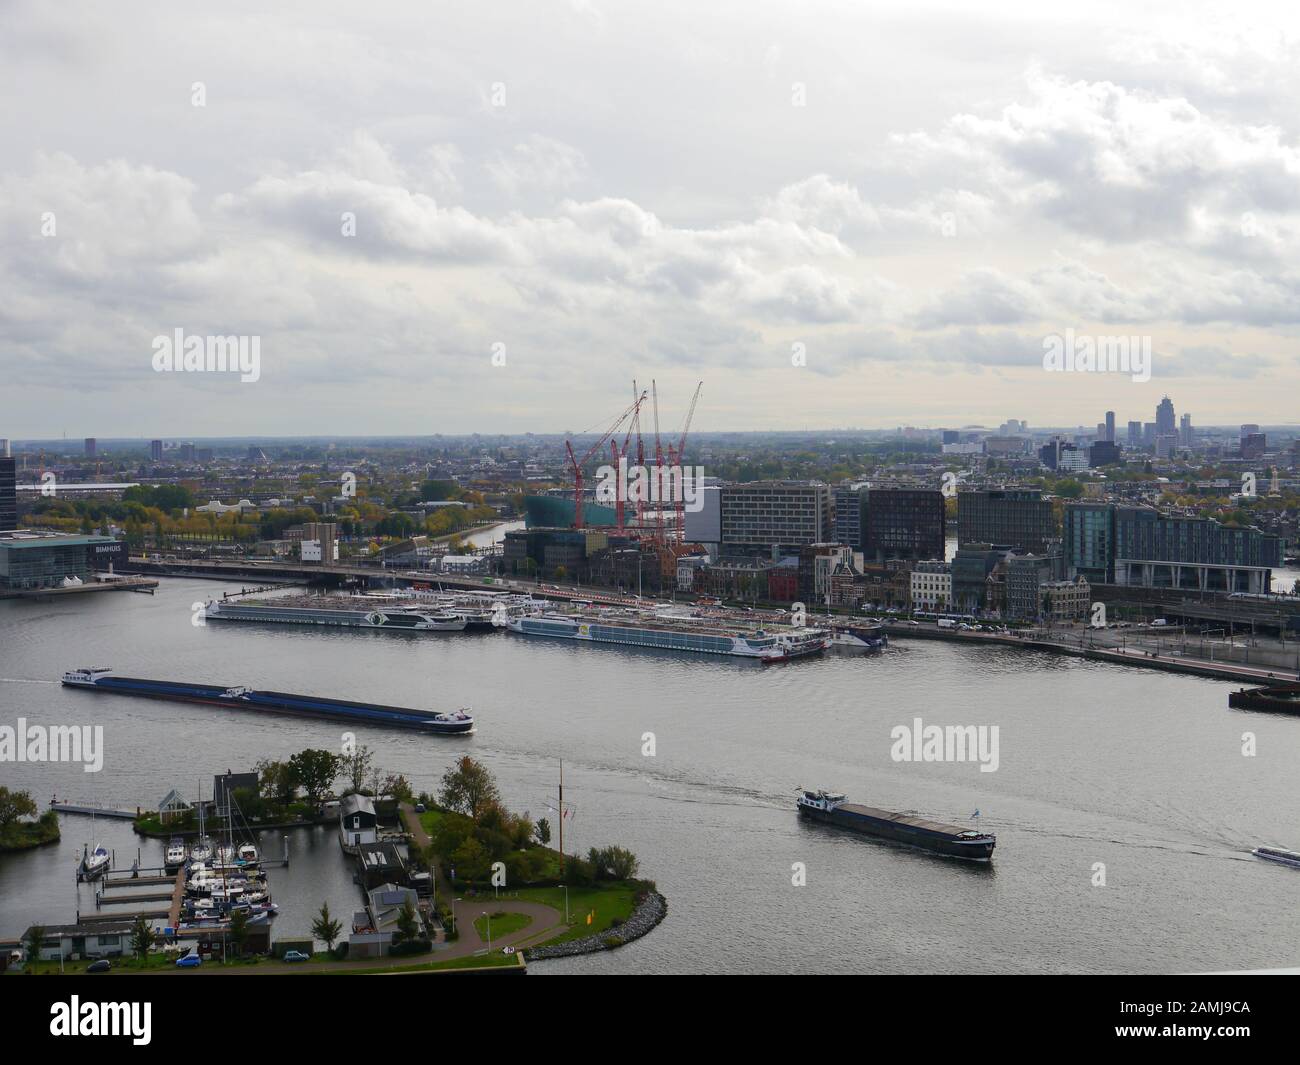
<point x="155" y="450"/>
<point x="850" y="504"/>
<point x="1186" y="434"/>
<point x="1026" y="576"/>
<point x="1020" y="517"/>
<point x="904" y="523"/>
<point x="972" y="566"/>
<point x="91" y="447"/>
<point x="1104" y="453"/>
<point x="1110" y="426"/>
<point x="761" y="516"/>
<point x="30" y="561"/>
<point x="320" y="542"/>
<point x="1165" y="420"/>
<point x="8" y="495"/>
<point x="1135" y="434"/>
<point x="1088" y="541"/>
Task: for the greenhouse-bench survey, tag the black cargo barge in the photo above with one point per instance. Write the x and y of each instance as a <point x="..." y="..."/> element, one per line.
<point x="1280" y="699"/>
<point x="944" y="839"/>
<point x="238" y="698"/>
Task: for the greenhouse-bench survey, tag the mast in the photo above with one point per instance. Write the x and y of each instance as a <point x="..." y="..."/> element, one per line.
<point x="561" y="816"/>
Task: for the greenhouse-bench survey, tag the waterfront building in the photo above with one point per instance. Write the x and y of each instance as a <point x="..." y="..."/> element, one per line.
<point x="818" y="563"/>
<point x="1020" y="517"/>
<point x="1025" y="577"/>
<point x="904" y="523"/>
<point x="761" y="516"/>
<point x="971" y="568"/>
<point x="97" y="939"/>
<point x="704" y="526"/>
<point x="1066" y="600"/>
<point x="736" y="578"/>
<point x="931" y="585"/>
<point x="30" y="561"/>
<point x="358" y="823"/>
<point x="547" y="551"/>
<point x="1141" y="546"/>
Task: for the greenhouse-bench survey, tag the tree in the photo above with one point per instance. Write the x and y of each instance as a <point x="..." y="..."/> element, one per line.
<point x="396" y="786"/>
<point x="15" y="805"/>
<point x="468" y="788"/>
<point x="278" y="780"/>
<point x="408" y="924"/>
<point x="356" y="766"/>
<point x="315" y="770"/>
<point x="238" y="931"/>
<point x="35" y="939"/>
<point x="142" y="938"/>
<point x="325" y="927"/>
<point x="542" y="830"/>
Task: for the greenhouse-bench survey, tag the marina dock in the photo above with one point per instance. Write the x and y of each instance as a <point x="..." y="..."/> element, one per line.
<point x="93" y="811"/>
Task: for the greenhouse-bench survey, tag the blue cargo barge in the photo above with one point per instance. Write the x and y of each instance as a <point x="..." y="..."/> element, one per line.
<point x="105" y="680"/>
<point x="831" y="808"/>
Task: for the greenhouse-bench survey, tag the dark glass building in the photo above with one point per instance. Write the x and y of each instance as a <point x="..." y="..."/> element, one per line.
<point x="1020" y="517"/>
<point x="8" y="495"/>
<point x="906" y="523"/>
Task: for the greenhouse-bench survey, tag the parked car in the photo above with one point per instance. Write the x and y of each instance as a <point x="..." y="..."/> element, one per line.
<point x="419" y="807"/>
<point x="101" y="966"/>
<point x="295" y="955"/>
<point x="189" y="961"/>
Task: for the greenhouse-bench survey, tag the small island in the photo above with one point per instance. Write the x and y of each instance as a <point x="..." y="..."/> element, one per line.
<point x="20" y="827"/>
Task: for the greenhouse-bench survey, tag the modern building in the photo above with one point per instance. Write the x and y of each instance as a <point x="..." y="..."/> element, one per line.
<point x="761" y="516"/>
<point x="904" y="523"/>
<point x="704" y="526"/>
<point x="91" y="447"/>
<point x="1142" y="546"/>
<point x="30" y="561"/>
<point x="8" y="495"/>
<point x="1020" y="517"/>
<point x="1165" y="420"/>
<point x="155" y="451"/>
<point x="1104" y="453"/>
<point x="818" y="564"/>
<point x="1134" y="434"/>
<point x="931" y="584"/>
<point x="850" y="505"/>
<point x="1110" y="426"/>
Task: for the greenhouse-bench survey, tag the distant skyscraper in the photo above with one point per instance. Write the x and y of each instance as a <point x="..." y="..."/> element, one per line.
<point x="8" y="496"/>
<point x="90" y="447"/>
<point x="1165" y="420"/>
<point x="1186" y="434"/>
<point x="155" y="450"/>
<point x="1110" y="426"/>
<point x="1134" y="434"/>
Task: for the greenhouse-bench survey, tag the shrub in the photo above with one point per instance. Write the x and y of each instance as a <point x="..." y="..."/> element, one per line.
<point x="411" y="946"/>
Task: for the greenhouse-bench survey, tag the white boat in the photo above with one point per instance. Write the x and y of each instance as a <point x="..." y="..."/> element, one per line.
<point x="1278" y="854"/>
<point x="93" y="863"/>
<point x="175" y="853"/>
<point x="202" y="850"/>
<point x="248" y="853"/>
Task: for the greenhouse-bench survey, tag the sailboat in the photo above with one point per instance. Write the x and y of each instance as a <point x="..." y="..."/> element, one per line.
<point x="93" y="863"/>
<point x="202" y="849"/>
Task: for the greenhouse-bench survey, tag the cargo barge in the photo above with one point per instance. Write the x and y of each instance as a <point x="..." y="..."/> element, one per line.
<point x="342" y="611"/>
<point x="1281" y="699"/>
<point x="102" y="679"/>
<point x="675" y="634"/>
<point x="933" y="836"/>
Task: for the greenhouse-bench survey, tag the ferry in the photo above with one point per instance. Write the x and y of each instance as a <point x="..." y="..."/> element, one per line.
<point x="676" y="634"/>
<point x="351" y="612"/>
<point x="859" y="637"/>
<point x="1278" y="854"/>
<point x="103" y="679"/>
<point x="831" y="808"/>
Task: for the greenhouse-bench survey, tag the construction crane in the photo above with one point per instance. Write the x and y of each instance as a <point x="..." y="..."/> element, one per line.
<point x="577" y="463"/>
<point x="675" y="459"/>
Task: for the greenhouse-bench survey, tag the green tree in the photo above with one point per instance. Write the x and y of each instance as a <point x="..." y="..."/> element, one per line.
<point x="468" y="788"/>
<point x="408" y="923"/>
<point x="34" y="940"/>
<point x="356" y="766"/>
<point x="15" y="805"/>
<point x="326" y="928"/>
<point x="278" y="780"/>
<point x="315" y="770"/>
<point x="542" y="830"/>
<point x="142" y="938"/>
<point x="238" y="931"/>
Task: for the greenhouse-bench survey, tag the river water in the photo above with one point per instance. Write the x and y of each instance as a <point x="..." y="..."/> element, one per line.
<point x="1140" y="772"/>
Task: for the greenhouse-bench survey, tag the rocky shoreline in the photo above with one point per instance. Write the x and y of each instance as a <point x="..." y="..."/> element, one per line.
<point x="648" y="913"/>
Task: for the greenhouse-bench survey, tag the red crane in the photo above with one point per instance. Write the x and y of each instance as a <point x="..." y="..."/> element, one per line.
<point x="597" y="446"/>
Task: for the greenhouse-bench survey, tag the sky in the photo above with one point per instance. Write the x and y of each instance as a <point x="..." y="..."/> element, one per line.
<point x="435" y="217"/>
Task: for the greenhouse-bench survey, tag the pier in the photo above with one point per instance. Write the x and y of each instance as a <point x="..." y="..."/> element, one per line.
<point x="93" y="811"/>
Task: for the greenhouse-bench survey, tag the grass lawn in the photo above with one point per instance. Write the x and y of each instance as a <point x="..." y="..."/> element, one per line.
<point x="503" y="924"/>
<point x="609" y="902"/>
<point x="153" y="961"/>
<point x="430" y="820"/>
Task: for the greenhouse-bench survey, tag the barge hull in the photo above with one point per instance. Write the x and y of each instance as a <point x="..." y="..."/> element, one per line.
<point x="911" y="831"/>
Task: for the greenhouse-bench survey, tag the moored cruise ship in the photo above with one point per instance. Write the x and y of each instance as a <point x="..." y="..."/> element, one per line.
<point x="356" y="612"/>
<point x="676" y="634"/>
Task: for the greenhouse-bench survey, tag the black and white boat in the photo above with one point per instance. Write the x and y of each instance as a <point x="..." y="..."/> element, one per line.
<point x="831" y="808"/>
<point x="1278" y="854"/>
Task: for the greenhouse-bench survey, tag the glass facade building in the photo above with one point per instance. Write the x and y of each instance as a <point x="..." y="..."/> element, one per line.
<point x="903" y="523"/>
<point x="1020" y="517"/>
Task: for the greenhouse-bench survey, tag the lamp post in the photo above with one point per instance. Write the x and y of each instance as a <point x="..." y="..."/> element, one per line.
<point x="489" y="930"/>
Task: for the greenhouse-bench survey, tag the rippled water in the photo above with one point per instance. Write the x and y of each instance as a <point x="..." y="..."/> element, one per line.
<point x="1098" y="764"/>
